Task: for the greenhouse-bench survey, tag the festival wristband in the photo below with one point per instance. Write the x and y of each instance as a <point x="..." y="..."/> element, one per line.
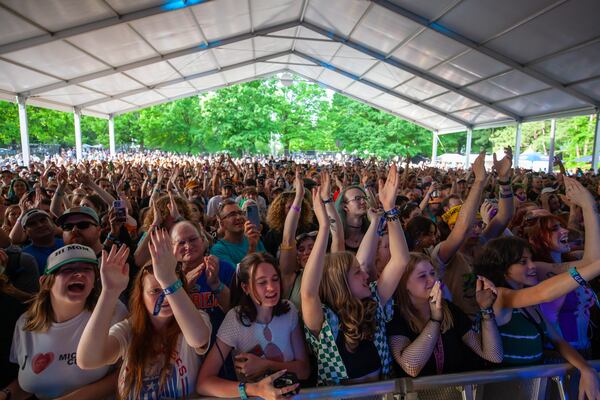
<point x="178" y="284"/>
<point x="242" y="391"/>
<point x="583" y="283"/>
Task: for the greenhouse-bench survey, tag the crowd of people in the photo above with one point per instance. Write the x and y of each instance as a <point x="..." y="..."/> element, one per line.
<point x="156" y="275"/>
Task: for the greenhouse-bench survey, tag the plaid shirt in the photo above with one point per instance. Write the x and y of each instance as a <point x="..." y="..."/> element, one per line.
<point x="331" y="369"/>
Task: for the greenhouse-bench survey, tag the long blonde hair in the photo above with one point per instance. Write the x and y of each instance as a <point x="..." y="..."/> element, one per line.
<point x="40" y="314"/>
<point x="146" y="344"/>
<point x="405" y="304"/>
<point x="357" y="317"/>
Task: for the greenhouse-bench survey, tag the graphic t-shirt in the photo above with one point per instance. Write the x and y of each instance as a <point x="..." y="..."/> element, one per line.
<point x="47" y="363"/>
<point x="181" y="379"/>
<point x="272" y="341"/>
<point x="204" y="298"/>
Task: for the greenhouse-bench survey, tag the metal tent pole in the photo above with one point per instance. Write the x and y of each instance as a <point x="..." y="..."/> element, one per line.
<point x="24" y="127"/>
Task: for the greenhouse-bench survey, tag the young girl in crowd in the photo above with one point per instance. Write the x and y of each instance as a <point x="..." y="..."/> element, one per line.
<point x="429" y="335"/>
<point x="507" y="262"/>
<point x="344" y="316"/>
<point x="352" y="205"/>
<point x="46" y="336"/>
<point x="294" y="251"/>
<point x="262" y="331"/>
<point x="161" y="340"/>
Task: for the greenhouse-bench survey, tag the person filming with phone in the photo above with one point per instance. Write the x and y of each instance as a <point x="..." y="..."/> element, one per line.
<point x="240" y="235"/>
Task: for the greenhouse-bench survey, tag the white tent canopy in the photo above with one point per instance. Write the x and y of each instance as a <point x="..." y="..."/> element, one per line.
<point x="447" y="65"/>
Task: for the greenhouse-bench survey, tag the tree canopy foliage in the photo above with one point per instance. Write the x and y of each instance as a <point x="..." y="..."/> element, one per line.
<point x="244" y="118"/>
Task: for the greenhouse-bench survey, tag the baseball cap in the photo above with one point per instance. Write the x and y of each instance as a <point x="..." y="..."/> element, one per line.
<point x="227" y="183"/>
<point x="31" y="214"/>
<point x="78" y="211"/>
<point x="548" y="190"/>
<point x="69" y="254"/>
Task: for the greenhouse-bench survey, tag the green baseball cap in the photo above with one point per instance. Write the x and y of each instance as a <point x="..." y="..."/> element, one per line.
<point x="69" y="254"/>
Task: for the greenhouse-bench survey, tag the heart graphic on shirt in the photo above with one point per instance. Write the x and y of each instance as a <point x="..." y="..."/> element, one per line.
<point x="40" y="362"/>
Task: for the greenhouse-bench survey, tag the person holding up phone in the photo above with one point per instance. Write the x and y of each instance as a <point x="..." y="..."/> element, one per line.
<point x="241" y="237"/>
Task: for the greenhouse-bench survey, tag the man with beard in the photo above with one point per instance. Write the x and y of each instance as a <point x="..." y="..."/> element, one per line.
<point x="81" y="225"/>
<point x="39" y="228"/>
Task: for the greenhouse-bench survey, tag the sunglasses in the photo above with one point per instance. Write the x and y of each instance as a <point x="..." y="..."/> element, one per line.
<point x="80" y="225"/>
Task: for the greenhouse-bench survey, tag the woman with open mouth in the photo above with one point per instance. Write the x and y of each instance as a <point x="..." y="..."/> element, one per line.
<point x="345" y="316"/>
<point x="46" y="336"/>
<point x="262" y="332"/>
<point x="549" y="242"/>
<point x="161" y="340"/>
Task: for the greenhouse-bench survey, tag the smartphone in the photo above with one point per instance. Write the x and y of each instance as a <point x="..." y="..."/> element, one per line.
<point x="253" y="215"/>
<point x="120" y="210"/>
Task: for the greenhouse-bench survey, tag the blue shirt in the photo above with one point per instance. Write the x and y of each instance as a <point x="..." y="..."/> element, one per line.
<point x="234" y="252"/>
<point x="41" y="253"/>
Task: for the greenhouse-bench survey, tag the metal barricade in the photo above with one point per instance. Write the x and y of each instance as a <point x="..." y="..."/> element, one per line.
<point x="540" y="382"/>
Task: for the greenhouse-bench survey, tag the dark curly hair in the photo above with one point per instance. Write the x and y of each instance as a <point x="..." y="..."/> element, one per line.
<point x="497" y="256"/>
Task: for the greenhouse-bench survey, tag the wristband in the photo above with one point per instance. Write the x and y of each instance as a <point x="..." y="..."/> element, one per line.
<point x="583" y="283"/>
<point x="506" y="196"/>
<point x="242" y="391"/>
<point x="504" y="183"/>
<point x="439" y="321"/>
<point x="487" y="313"/>
<point x="112" y="238"/>
<point x="219" y="289"/>
<point x="329" y="200"/>
<point x="166" y="291"/>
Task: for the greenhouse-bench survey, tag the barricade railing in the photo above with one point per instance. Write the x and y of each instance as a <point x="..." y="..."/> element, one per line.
<point x="517" y="383"/>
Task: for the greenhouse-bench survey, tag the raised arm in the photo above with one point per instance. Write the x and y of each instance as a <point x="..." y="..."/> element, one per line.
<point x="368" y="245"/>
<point x="506" y="205"/>
<point x="96" y="347"/>
<point x="579" y="196"/>
<point x="392" y="272"/>
<point x="466" y="216"/>
<point x="545" y="291"/>
<point x="335" y="222"/>
<point x="88" y="182"/>
<point x="287" y="254"/>
<point x="194" y="323"/>
<point x="313" y="271"/>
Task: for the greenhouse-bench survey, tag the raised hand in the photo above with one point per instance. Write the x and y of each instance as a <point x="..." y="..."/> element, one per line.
<point x="485" y="292"/>
<point x="478" y="167"/>
<point x="252" y="233"/>
<point x="163" y="259"/>
<point x="212" y="271"/>
<point x="435" y="301"/>
<point x="319" y="208"/>
<point x="503" y="166"/>
<point x="114" y="270"/>
<point x="299" y="183"/>
<point x="325" y="188"/>
<point x="172" y="206"/>
<point x="577" y="193"/>
<point x="389" y="190"/>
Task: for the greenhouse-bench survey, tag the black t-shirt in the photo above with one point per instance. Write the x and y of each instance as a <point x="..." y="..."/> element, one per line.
<point x="457" y="356"/>
<point x="11" y="311"/>
<point x="363" y="361"/>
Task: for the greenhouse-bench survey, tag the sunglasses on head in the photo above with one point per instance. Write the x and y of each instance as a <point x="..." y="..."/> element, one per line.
<point x="80" y="225"/>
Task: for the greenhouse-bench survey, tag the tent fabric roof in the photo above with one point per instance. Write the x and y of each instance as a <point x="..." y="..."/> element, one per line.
<point x="445" y="65"/>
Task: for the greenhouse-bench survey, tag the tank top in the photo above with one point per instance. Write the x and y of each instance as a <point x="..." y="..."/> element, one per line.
<point x="522" y="340"/>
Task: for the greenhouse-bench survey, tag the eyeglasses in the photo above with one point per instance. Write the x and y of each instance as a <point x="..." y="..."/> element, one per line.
<point x="238" y="213"/>
<point x="80" y="225"/>
<point x="303" y="236"/>
<point x="189" y="241"/>
<point x="358" y="198"/>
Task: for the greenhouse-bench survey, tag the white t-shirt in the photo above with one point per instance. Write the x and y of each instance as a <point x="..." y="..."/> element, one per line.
<point x="255" y="338"/>
<point x="47" y="363"/>
<point x="180" y="381"/>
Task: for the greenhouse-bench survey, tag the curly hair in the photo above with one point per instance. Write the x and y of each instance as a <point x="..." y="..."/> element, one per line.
<point x="497" y="256"/>
<point x="276" y="213"/>
<point x="245" y="275"/>
<point x="161" y="203"/>
<point x="357" y="316"/>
